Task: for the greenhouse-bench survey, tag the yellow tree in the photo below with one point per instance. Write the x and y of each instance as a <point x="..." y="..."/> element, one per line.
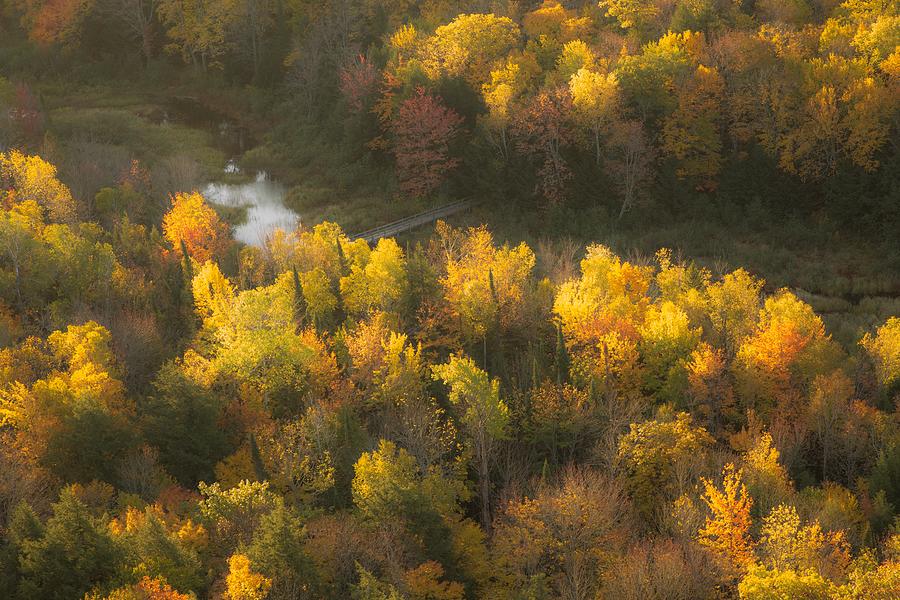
<point x="884" y="350"/>
<point x="468" y="46"/>
<point x="33" y="178"/>
<point x="600" y="315"/>
<point x="379" y="283"/>
<point x="498" y="95"/>
<point x="557" y="543"/>
<point x="213" y="298"/>
<point x="709" y="388"/>
<point x="575" y="55"/>
<point x="424" y="583"/>
<point x="507" y="83"/>
<point x="727" y="530"/>
<point x="667" y="341"/>
<point x="156" y="588"/>
<point x="765" y="584"/>
<point x="485" y="286"/>
<point x="318" y="296"/>
<point x="631" y="14"/>
<point x="656" y="454"/>
<point x="880" y="582"/>
<point x="732" y="308"/>
<point x="778" y="361"/>
<point x="844" y="119"/>
<point x="553" y="22"/>
<point x="595" y="99"/>
<point x="198" y="28"/>
<point x="193" y="225"/>
<point x="786" y="544"/>
<point x="610" y="290"/>
<point x="549" y="27"/>
<point x="691" y="134"/>
<point x="73" y="416"/>
<point x="765" y="476"/>
<point x="243" y="583"/>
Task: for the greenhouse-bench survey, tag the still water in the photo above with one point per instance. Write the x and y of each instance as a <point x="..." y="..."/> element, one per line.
<point x="262" y="196"/>
<point x="264" y="199"/>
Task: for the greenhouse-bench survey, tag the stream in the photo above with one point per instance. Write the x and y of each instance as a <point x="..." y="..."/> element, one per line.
<point x="262" y="195"/>
<point x="264" y="199"/>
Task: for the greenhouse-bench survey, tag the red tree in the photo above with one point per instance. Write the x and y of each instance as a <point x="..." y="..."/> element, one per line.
<point x="27" y="115"/>
<point x="542" y="129"/>
<point x="359" y="81"/>
<point x="423" y="130"/>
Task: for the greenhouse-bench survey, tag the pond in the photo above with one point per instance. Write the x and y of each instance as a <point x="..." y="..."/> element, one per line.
<point x="264" y="199"/>
<point x="262" y="195"/>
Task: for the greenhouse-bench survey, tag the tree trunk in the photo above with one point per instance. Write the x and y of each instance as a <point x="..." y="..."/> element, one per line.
<point x="484" y="481"/>
<point x="147" y="44"/>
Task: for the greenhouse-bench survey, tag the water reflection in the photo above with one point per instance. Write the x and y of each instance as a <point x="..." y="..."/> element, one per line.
<point x="264" y="199"/>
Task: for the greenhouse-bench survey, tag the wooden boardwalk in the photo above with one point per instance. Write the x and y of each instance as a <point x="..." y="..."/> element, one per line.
<point x="413" y="221"/>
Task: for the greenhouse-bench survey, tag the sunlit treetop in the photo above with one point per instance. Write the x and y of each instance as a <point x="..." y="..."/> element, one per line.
<point x="32" y="178"/>
<point x="467" y="46"/>
<point x="193" y="224"/>
<point x="884" y="350"/>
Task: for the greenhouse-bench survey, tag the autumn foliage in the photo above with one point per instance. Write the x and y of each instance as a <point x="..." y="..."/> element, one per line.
<point x="423" y="131"/>
<point x="192" y="222"/>
<point x="727" y="529"/>
<point x="455" y="414"/>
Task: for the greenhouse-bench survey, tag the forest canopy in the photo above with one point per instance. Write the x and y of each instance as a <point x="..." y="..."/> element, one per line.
<point x="564" y="101"/>
<point x="322" y="417"/>
<point x="456" y="413"/>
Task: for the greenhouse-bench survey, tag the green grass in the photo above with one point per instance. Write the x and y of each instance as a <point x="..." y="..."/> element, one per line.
<point x="124" y="127"/>
<point x="233" y="215"/>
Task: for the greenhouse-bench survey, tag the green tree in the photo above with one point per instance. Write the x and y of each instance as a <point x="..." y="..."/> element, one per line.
<point x="388" y="488"/>
<point x="278" y="552"/>
<point x="74" y="554"/>
<point x="647" y="78"/>
<point x="235" y="513"/>
<point x="156" y="552"/>
<point x="27" y="272"/>
<point x="182" y="421"/>
<point x="370" y="588"/>
<point x="653" y="452"/>
<point x="483" y="414"/>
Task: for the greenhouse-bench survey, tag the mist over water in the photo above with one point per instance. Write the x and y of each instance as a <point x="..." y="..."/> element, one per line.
<point x="263" y="196"/>
<point x="264" y="199"/>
